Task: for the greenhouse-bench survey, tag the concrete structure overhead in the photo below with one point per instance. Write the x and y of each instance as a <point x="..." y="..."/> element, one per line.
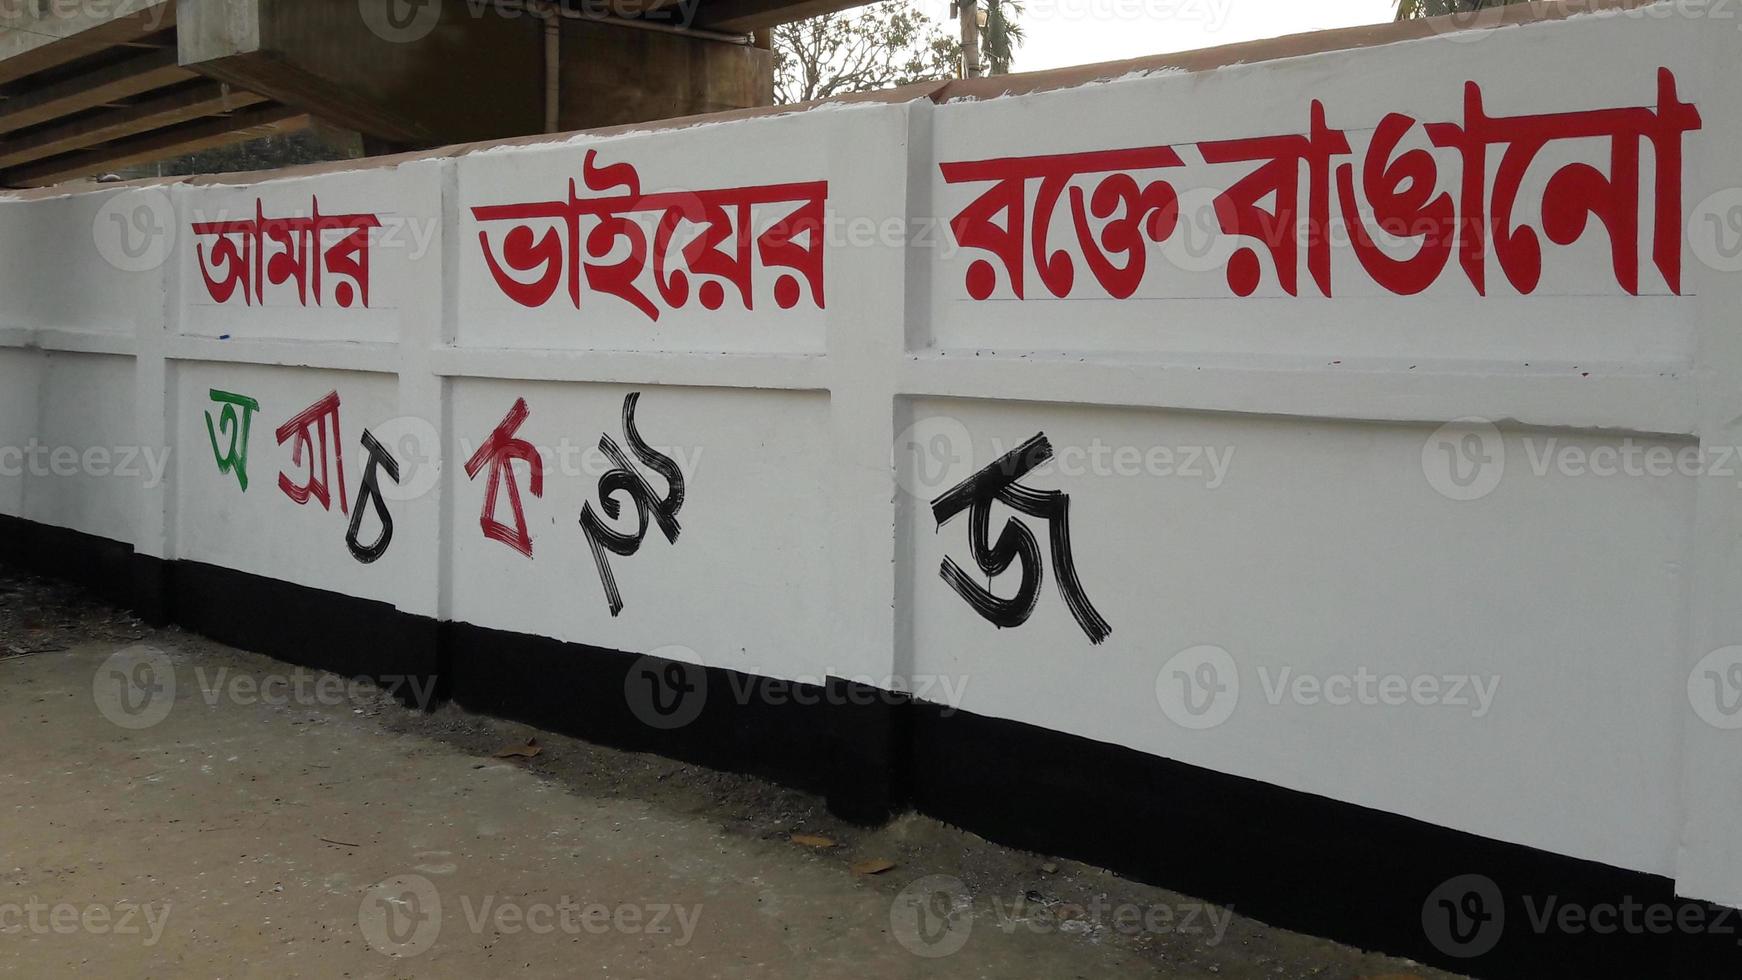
<point x="89" y="88"/>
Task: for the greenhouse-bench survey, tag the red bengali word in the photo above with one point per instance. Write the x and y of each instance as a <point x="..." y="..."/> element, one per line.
<point x="1399" y="188"/>
<point x="546" y="246"/>
<point x="248" y="256"/>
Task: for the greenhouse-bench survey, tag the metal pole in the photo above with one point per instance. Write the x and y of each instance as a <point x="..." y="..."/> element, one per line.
<point x="553" y="67"/>
<point x="971" y="67"/>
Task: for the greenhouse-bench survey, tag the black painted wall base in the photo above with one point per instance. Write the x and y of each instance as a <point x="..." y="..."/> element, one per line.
<point x="1292" y="859"/>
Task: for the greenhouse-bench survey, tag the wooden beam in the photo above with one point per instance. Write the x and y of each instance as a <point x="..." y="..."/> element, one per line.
<point x="163" y="144"/>
<point x="209" y="99"/>
<point x="30" y="44"/>
<point x="748" y="16"/>
<point x="91" y="89"/>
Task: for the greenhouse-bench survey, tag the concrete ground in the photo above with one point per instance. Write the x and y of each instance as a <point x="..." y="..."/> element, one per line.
<point x="250" y="819"/>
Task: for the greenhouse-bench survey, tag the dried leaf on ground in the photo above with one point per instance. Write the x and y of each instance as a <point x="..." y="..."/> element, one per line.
<point x="528" y="751"/>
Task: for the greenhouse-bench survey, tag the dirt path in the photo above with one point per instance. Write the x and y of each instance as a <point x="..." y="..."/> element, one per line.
<point x="266" y="822"/>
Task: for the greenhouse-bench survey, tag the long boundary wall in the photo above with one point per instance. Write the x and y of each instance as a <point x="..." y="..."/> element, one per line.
<point x="1302" y="475"/>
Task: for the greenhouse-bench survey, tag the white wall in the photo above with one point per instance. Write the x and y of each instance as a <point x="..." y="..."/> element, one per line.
<point x="1252" y="473"/>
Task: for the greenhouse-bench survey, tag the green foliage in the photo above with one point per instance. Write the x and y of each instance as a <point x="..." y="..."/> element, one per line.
<point x="1002" y="35"/>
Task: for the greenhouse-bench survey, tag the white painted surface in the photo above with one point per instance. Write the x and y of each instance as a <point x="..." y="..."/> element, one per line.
<point x="405" y="203"/>
<point x="745" y="596"/>
<point x="1316" y="540"/>
<point x="20" y="391"/>
<point x="85" y="434"/>
<point x="261" y="530"/>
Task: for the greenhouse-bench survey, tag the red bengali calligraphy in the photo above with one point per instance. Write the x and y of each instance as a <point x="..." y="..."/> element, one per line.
<point x="308" y="426"/>
<point x="241" y="257"/>
<point x="544" y="247"/>
<point x="1150" y="211"/>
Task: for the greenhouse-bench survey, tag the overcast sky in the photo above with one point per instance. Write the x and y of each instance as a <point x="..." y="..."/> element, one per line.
<point x="1080" y="32"/>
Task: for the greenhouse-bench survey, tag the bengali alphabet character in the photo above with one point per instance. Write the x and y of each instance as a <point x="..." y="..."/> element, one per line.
<point x="1400" y="190"/>
<point x="304" y="428"/>
<point x="778" y="246"/>
<point x="1278" y="177"/>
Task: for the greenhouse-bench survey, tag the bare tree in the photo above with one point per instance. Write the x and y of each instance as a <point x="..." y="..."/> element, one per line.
<point x="873" y="47"/>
